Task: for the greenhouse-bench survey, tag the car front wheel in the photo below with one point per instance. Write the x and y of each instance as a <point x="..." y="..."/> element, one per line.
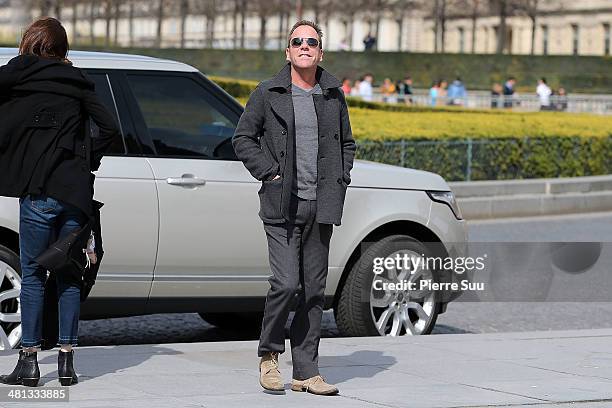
<point x="10" y="309"/>
<point x="368" y="307"/>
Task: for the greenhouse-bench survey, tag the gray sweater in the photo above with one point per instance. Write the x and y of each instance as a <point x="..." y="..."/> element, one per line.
<point x="306" y="141"/>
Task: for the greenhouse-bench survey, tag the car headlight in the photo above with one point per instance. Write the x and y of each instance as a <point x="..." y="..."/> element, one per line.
<point x="448" y="198"/>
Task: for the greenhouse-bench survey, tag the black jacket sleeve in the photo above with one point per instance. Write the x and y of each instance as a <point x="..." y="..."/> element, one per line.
<point x="348" y="143"/>
<point x="246" y="139"/>
<point x="105" y="121"/>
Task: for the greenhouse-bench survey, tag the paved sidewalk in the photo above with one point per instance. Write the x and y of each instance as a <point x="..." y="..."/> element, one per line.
<point x="456" y="370"/>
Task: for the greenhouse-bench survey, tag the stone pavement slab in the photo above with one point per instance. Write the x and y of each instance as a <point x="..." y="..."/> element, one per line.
<point x="535" y="369"/>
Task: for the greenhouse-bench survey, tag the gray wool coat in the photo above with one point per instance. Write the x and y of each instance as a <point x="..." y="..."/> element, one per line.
<point x="264" y="141"/>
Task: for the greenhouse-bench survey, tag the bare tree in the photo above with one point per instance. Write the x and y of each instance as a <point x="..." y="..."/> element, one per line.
<point x="243" y="15"/>
<point x="92" y="21"/>
<point x="160" y="21"/>
<point x="532" y="9"/>
<point x="504" y="9"/>
<point x="108" y="5"/>
<point x="472" y="9"/>
<point x="475" y="13"/>
<point x="374" y="10"/>
<point x="349" y="10"/>
<point x="212" y="7"/>
<point x="235" y="23"/>
<point x="74" y="20"/>
<point x="131" y="22"/>
<point x="329" y="8"/>
<point x="265" y="9"/>
<point x="437" y="10"/>
<point x="44" y="6"/>
<point x="283" y="20"/>
<point x="435" y="17"/>
<point x="57" y="9"/>
<point x="116" y="17"/>
<point x="400" y="10"/>
<point x="184" y="12"/>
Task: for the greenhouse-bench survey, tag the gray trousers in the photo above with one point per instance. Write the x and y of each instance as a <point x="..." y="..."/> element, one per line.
<point x="298" y="252"/>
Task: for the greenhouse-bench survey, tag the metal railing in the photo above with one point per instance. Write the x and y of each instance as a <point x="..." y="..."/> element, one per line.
<point x="577" y="103"/>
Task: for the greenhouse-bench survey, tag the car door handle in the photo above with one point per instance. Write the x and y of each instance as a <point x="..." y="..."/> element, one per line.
<point x="186" y="180"/>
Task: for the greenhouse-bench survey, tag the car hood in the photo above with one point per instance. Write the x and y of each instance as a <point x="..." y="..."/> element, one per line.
<point x="377" y="175"/>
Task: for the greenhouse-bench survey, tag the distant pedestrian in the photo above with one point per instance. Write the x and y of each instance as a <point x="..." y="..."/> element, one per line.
<point x="388" y="91"/>
<point x="369" y="41"/>
<point x="496" y="92"/>
<point x="404" y="90"/>
<point x="543" y="91"/>
<point x="434" y="92"/>
<point x="442" y="92"/>
<point x="355" y="88"/>
<point x="344" y="45"/>
<point x="365" y="87"/>
<point x="509" y="92"/>
<point x="346" y="86"/>
<point x="561" y="100"/>
<point x="457" y="93"/>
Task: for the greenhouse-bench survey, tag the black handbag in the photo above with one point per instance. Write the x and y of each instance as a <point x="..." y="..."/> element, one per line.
<point x="67" y="255"/>
<point x="67" y="251"/>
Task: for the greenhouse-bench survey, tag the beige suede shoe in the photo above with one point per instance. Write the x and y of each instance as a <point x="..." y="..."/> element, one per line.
<point x="314" y="385"/>
<point x="269" y="375"/>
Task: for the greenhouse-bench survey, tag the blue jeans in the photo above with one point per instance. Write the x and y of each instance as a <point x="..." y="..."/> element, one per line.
<point x="42" y="221"/>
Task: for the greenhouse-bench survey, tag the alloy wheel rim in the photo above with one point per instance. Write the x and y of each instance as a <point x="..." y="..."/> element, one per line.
<point x="10" y="307"/>
<point x="399" y="312"/>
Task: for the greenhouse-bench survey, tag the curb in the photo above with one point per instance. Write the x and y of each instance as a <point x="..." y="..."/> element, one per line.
<point x="521" y="198"/>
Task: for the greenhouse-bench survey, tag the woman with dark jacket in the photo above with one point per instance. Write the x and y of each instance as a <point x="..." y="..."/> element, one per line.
<point x="46" y="159"/>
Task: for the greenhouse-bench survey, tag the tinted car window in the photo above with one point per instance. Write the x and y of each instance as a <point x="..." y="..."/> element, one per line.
<point x="106" y="97"/>
<point x="182" y="118"/>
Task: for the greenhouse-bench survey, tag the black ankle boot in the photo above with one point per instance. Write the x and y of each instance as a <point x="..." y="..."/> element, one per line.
<point x="26" y="372"/>
<point x="65" y="368"/>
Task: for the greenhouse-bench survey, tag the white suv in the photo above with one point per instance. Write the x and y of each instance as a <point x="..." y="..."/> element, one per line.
<point x="180" y="225"/>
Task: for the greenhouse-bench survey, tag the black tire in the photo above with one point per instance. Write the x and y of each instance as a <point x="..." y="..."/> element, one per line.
<point x="10" y="306"/>
<point x="354" y="317"/>
<point x="239" y="321"/>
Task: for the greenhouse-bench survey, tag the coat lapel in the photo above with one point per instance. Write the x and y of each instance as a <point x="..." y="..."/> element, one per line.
<point x="324" y="111"/>
<point x="282" y="105"/>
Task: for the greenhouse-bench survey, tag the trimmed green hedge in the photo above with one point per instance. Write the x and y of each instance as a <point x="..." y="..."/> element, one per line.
<point x="496" y="158"/>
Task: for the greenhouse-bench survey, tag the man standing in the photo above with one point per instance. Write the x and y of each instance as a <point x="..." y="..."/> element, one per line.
<point x="295" y="137"/>
<point x="509" y="92"/>
<point x="544" y="92"/>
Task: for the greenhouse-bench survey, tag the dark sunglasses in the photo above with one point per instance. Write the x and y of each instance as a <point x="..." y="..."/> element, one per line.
<point x="297" y="41"/>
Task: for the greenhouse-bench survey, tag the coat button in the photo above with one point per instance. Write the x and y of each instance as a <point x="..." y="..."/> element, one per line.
<point x="282" y="153"/>
<point x="336" y="136"/>
<point x="284" y="132"/>
<point x="339" y="181"/>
